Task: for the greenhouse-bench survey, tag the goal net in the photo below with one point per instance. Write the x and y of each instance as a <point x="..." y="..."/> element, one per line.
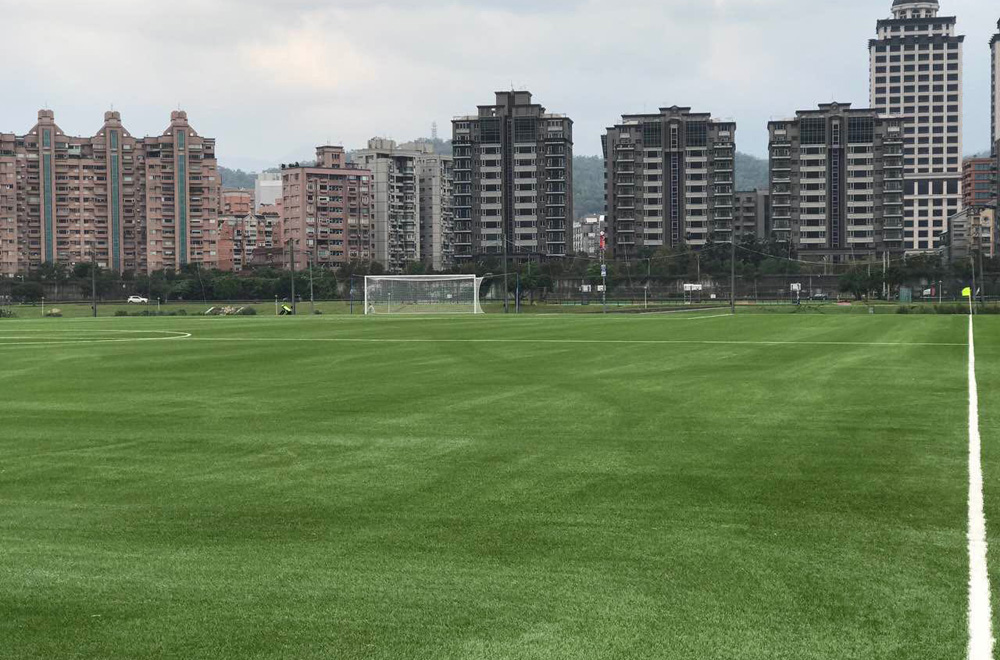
<point x="422" y="294"/>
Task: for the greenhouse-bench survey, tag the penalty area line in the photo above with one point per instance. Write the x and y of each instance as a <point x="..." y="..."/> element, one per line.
<point x="981" y="641"/>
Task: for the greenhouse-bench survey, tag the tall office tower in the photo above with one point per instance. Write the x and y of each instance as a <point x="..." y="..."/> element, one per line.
<point x="182" y="197"/>
<point x="837" y="183"/>
<point x="669" y="179"/>
<point x="752" y="213"/>
<point x="267" y="189"/>
<point x="916" y="72"/>
<point x="397" y="202"/>
<point x="513" y="191"/>
<point x="327" y="211"/>
<point x="437" y="219"/>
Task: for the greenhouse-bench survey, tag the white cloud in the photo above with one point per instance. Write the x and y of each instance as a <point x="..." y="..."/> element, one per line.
<point x="270" y="78"/>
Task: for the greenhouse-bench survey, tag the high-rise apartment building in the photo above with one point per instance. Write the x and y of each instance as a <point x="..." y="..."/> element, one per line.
<point x="182" y="197"/>
<point x="397" y="202"/>
<point x="240" y="236"/>
<point x="131" y="205"/>
<point x="413" y="188"/>
<point x="995" y="133"/>
<point x="327" y="210"/>
<point x="587" y="234"/>
<point x="267" y="189"/>
<point x="670" y="180"/>
<point x="995" y="59"/>
<point x="513" y="190"/>
<point x="916" y="73"/>
<point x="752" y="213"/>
<point x="437" y="219"/>
<point x="977" y="182"/>
<point x="837" y="183"/>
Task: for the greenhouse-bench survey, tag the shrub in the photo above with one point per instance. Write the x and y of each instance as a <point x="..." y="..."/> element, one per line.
<point x="248" y="311"/>
<point x="7" y="314"/>
<point x="181" y="312"/>
<point x="121" y="312"/>
<point x="903" y="309"/>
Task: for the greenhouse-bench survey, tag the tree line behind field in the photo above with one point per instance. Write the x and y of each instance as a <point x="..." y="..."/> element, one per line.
<point x="664" y="268"/>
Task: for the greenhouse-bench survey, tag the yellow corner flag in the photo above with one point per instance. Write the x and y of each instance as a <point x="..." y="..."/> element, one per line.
<point x="967" y="292"/>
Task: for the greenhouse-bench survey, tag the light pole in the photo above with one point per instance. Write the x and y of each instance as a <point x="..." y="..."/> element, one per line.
<point x="732" y="284"/>
<point x="506" y="296"/>
<point x="93" y="280"/>
<point x="312" y="297"/>
<point x="291" y="265"/>
<point x="604" y="271"/>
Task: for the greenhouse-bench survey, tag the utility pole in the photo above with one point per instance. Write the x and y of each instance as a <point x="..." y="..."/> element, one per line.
<point x="506" y="296"/>
<point x="604" y="272"/>
<point x="312" y="297"/>
<point x="972" y="258"/>
<point x="93" y="280"/>
<point x="732" y="284"/>
<point x="649" y="275"/>
<point x="291" y="264"/>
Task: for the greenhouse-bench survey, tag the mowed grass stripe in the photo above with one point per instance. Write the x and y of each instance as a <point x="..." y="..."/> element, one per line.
<point x="481" y="500"/>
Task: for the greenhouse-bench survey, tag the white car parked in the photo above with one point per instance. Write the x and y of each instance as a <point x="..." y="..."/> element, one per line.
<point x="138" y="300"/>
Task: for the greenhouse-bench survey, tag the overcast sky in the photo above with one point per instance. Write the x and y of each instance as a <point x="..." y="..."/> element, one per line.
<point x="272" y="78"/>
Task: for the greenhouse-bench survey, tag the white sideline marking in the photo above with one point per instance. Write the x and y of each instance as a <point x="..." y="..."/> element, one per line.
<point x="566" y="341"/>
<point x="169" y="335"/>
<point x="981" y="640"/>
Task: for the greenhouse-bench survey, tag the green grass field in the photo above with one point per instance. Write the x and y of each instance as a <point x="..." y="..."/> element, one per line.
<point x="676" y="486"/>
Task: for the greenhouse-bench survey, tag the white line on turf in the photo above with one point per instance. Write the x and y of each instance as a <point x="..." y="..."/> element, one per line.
<point x="708" y="342"/>
<point x="981" y="640"/>
<point x="168" y="335"/>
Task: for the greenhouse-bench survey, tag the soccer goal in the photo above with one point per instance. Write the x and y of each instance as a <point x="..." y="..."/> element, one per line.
<point x="422" y="294"/>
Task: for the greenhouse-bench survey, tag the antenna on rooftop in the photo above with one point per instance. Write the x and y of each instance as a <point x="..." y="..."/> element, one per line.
<point x="434" y="130"/>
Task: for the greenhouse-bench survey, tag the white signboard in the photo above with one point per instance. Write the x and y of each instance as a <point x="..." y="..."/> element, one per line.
<point x="586" y="288"/>
<point x="796" y="288"/>
<point x="693" y="287"/>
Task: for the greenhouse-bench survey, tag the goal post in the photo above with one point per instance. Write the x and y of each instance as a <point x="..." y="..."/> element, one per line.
<point x="422" y="294"/>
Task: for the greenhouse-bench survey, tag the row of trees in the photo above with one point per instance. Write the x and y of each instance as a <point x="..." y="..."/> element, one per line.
<point x="190" y="283"/>
<point x="872" y="281"/>
<point x="754" y="259"/>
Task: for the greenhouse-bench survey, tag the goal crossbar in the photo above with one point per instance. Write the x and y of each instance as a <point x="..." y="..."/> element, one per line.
<point x="422" y="294"/>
